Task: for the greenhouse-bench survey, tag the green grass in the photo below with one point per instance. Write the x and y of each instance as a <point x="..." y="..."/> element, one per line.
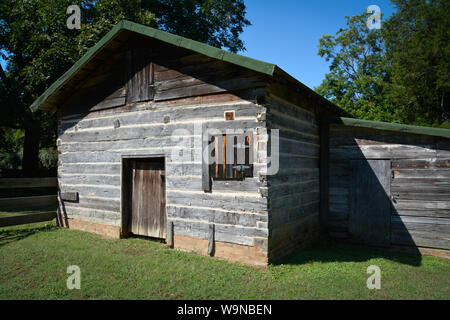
<point x="34" y="259"/>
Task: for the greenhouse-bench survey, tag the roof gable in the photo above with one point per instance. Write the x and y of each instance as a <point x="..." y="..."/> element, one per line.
<point x="45" y="101"/>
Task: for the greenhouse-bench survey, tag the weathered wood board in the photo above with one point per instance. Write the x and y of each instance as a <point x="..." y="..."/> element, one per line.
<point x="27" y="218"/>
<point x="370" y="211"/>
<point x="148" y="200"/>
<point x="419" y="186"/>
<point x="294" y="190"/>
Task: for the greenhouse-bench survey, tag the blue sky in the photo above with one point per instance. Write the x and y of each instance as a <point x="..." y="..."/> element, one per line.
<point x="287" y="32"/>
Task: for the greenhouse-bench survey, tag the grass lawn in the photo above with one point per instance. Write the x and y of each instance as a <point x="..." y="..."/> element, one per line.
<point x="34" y="259"/>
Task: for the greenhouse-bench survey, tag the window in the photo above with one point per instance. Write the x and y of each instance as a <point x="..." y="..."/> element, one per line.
<point x="233" y="156"/>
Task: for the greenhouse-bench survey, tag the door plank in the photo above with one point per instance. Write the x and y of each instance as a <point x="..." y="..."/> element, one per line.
<point x="136" y="198"/>
<point x="369" y="220"/>
<point x="148" y="199"/>
<point x="162" y="210"/>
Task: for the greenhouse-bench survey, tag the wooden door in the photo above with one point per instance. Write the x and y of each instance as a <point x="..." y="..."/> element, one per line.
<point x="370" y="216"/>
<point x="148" y="199"/>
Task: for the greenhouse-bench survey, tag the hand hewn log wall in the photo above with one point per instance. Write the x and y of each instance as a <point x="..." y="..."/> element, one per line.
<point x="187" y="91"/>
<point x="90" y="162"/>
<point x="293" y="192"/>
<point x="420" y="185"/>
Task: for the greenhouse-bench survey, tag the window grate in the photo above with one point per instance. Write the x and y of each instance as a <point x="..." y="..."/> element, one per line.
<point x="233" y="156"/>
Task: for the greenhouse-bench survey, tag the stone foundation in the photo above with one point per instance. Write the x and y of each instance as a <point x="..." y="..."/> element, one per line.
<point x="435" y="252"/>
<point x="423" y="251"/>
<point x="223" y="250"/>
<point x="251" y="255"/>
<point x="107" y="231"/>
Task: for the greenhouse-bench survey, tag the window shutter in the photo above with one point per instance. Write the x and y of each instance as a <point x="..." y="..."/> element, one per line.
<point x="206" y="167"/>
<point x="139" y="75"/>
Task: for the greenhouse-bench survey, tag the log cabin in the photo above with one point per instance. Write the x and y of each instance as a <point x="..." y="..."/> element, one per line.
<point x="164" y="137"/>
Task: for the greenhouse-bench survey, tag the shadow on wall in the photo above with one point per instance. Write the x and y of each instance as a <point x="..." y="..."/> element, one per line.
<point x="372" y="218"/>
<point x="370" y="221"/>
<point x="385" y="197"/>
<point x="394" y="196"/>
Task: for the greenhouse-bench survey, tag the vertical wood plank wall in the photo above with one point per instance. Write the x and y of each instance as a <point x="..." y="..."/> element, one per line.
<point x="294" y="191"/>
<point x="420" y="186"/>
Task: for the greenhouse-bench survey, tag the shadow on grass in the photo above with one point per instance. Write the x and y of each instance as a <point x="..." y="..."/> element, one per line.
<point x="30" y="209"/>
<point x="326" y="250"/>
<point x="12" y="234"/>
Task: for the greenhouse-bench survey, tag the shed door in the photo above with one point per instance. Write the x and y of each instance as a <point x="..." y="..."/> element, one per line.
<point x="370" y="216"/>
<point x="148" y="200"/>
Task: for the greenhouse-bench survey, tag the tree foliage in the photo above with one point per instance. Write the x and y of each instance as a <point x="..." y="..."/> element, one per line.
<point x="417" y="41"/>
<point x="38" y="47"/>
<point x="358" y="74"/>
<point x="398" y="73"/>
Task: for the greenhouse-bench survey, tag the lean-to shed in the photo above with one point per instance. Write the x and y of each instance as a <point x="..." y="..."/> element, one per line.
<point x="388" y="185"/>
<point x="165" y="137"/>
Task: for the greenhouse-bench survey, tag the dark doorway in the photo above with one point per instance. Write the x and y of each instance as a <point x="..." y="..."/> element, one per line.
<point x="370" y="214"/>
<point x="145" y="200"/>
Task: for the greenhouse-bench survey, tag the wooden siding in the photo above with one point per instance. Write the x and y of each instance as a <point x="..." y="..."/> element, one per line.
<point x="293" y="192"/>
<point x="144" y="69"/>
<point x="91" y="145"/>
<point x="420" y="184"/>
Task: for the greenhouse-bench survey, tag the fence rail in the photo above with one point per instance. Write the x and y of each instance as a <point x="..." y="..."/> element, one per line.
<point x="27" y="218"/>
<point x="15" y="183"/>
<point x="25" y="202"/>
<point x="35" y="201"/>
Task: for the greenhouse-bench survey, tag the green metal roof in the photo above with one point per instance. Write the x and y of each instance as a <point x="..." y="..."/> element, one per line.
<point x="438" y="132"/>
<point x="255" y="65"/>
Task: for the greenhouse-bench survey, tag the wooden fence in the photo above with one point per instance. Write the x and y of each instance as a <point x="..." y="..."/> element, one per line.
<point x="9" y="185"/>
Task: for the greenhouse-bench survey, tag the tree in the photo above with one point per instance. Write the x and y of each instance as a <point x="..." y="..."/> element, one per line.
<point x="418" y="46"/>
<point x="215" y="22"/>
<point x="397" y="74"/>
<point x="359" y="75"/>
<point x="39" y="48"/>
